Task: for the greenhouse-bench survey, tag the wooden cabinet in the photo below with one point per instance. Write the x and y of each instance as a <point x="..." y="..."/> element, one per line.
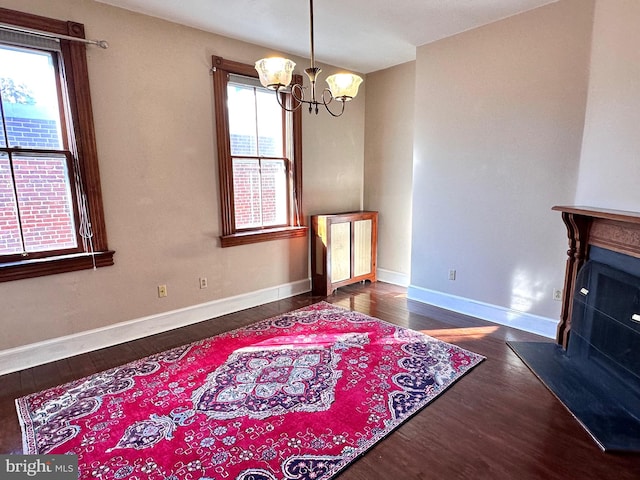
<point x="343" y="250"/>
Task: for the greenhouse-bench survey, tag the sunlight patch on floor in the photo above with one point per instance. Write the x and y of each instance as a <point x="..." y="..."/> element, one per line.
<point x="453" y="334"/>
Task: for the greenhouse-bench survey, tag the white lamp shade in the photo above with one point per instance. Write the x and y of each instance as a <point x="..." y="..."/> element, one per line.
<point x="275" y="71"/>
<point x="344" y="86"/>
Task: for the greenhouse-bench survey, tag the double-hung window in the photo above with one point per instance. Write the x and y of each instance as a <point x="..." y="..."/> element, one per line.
<point x="51" y="218"/>
<point x="259" y="155"/>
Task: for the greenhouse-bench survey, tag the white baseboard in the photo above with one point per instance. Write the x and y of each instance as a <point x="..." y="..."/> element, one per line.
<point x="27" y="356"/>
<point x="493" y="313"/>
<point x="395" y="278"/>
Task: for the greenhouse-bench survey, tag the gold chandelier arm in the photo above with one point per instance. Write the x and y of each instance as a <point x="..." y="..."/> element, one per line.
<point x="326" y="104"/>
<point x="280" y="90"/>
<point x="297" y="93"/>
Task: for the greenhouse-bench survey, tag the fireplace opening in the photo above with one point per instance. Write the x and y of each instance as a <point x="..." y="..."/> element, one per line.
<point x="605" y="334"/>
<point x="597" y="377"/>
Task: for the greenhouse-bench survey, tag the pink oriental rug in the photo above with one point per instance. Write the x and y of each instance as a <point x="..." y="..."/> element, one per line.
<point x="298" y="396"/>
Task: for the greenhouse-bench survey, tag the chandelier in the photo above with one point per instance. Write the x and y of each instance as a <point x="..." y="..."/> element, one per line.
<point x="275" y="74"/>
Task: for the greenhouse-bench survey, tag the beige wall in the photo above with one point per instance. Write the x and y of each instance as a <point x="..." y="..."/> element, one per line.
<point x="499" y="120"/>
<point x="389" y="163"/>
<point x="497" y="140"/>
<point x="152" y="102"/>
<point x="610" y="162"/>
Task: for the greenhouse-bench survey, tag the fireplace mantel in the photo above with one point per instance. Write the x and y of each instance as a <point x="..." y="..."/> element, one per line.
<point x="611" y="229"/>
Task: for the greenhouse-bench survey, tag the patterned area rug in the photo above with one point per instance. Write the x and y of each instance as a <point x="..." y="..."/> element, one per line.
<point x="298" y="396"/>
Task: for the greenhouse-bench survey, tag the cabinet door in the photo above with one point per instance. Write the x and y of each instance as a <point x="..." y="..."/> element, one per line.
<point x="362" y="254"/>
<point x="340" y="251"/>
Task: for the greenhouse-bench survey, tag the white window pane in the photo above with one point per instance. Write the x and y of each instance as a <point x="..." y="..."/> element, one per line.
<point x="242" y="120"/>
<point x="29" y="98"/>
<point x="269" y="115"/>
<point x="10" y="242"/>
<point x="44" y="197"/>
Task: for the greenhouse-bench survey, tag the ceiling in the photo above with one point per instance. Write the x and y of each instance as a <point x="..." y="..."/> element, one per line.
<point x="359" y="35"/>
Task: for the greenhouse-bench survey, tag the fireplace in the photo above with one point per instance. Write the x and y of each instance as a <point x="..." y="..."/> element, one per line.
<point x="606" y="317"/>
<point x="594" y="367"/>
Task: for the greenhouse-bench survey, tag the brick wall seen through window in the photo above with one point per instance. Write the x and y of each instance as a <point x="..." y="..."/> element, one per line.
<point x="41" y="185"/>
<point x="252" y="199"/>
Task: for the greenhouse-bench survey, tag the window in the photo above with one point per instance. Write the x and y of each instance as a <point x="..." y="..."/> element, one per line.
<point x="259" y="155"/>
<point x="51" y="218"/>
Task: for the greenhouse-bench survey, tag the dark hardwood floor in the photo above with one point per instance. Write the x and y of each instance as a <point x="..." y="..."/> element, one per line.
<point x="497" y="422"/>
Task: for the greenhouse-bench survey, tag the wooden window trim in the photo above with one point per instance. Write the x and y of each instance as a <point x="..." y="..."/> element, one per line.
<point x="265" y="235"/>
<point x="230" y="236"/>
<point x="52" y="265"/>
<point x="74" y="59"/>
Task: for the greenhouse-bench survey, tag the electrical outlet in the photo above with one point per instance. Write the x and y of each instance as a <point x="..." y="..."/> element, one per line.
<point x="557" y="294"/>
<point x="203" y="282"/>
<point x="452" y="274"/>
<point x="162" y="291"/>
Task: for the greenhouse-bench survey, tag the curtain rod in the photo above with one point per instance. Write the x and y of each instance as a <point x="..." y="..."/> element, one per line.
<point x="99" y="43"/>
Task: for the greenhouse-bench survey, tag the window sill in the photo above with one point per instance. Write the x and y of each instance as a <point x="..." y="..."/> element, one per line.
<point x="245" y="238"/>
<point x="52" y="265"/>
